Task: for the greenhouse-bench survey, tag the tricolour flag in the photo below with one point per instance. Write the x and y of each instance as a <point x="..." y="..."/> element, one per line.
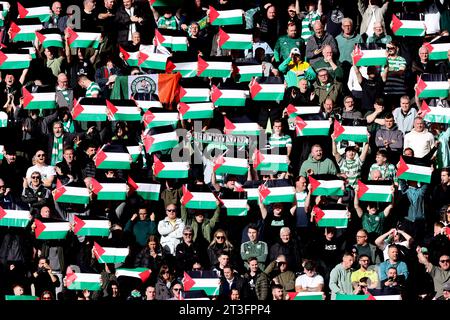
<point x="145" y="105"/>
<point x="171" y="39"/>
<point x="305" y="295"/>
<point x="411" y="169"/>
<point x="186" y="69"/>
<point x="122" y="110"/>
<point x="202" y="110"/>
<point x="134" y="152"/>
<point x="228" y="165"/>
<point x="311" y="127"/>
<point x="228" y="97"/>
<point x="51" y="230"/>
<point x="78" y="39"/>
<point x="407" y="28"/>
<point x="266" y="91"/>
<point x="24" y="31"/>
<point x="42" y="13"/>
<point x="130" y="57"/>
<point x="71" y="194"/>
<point x="252" y="193"/>
<point x="326" y="185"/>
<point x="50" y="39"/>
<point x="270" y="195"/>
<point x="209" y="285"/>
<point x="110" y="254"/>
<point x="9" y="297"/>
<point x="170" y="170"/>
<point x="437" y="114"/>
<point x="350" y="133"/>
<point x="139" y="273"/>
<point x="226" y="17"/>
<point x="235" y="41"/>
<point x="215" y="69"/>
<point x="379" y="191"/>
<point x="438" y="51"/>
<point x="194" y="94"/>
<point x="148" y="191"/>
<point x="161" y="141"/>
<point x="365" y="58"/>
<point x="294" y="111"/>
<point x="14" y="60"/>
<point x="242" y="128"/>
<point x="198" y="200"/>
<point x="153" y="60"/>
<point x="89" y="109"/>
<point x="248" y="72"/>
<point x="14" y="218"/>
<point x="38" y="100"/>
<point x="235" y="207"/>
<point x="95" y="228"/>
<point x="270" y="162"/>
<point x="112" y="157"/>
<point x="83" y="281"/>
<point x="154" y="119"/>
<point x="359" y="297"/>
<point x="332" y="216"/>
<point x="387" y="297"/>
<point x="432" y="88"/>
<point x="109" y="190"/>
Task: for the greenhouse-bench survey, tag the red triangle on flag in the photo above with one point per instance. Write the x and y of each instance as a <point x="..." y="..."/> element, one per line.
<point x="218" y="163"/>
<point x="142" y="57"/>
<point x="60" y="190"/>
<point x="255" y="88"/>
<point x="229" y="126"/>
<point x="170" y="66"/>
<point x="215" y="93"/>
<point x="396" y="23"/>
<point x="202" y="65"/>
<point x="77" y="109"/>
<point x="72" y="35"/>
<point x="188" y="282"/>
<point x="357" y="54"/>
<point x="71" y="276"/>
<point x="314" y="183"/>
<point x="96" y="186"/>
<point x="148" y="118"/>
<point x="23" y="12"/>
<point x="100" y="157"/>
<point x="40" y="227"/>
<point x="338" y="129"/>
<point x="14" y="29"/>
<point x="41" y="38"/>
<point x="362" y="189"/>
<point x="79" y="224"/>
<point x="132" y="185"/>
<point x="182" y="92"/>
<point x="223" y="37"/>
<point x="183" y="108"/>
<point x="290" y="109"/>
<point x="159" y="166"/>
<point x="159" y="37"/>
<point x="424" y="109"/>
<point x="98" y="250"/>
<point x="125" y="53"/>
<point x="3" y="58"/>
<point x="2" y="213"/>
<point x="371" y="297"/>
<point x="213" y="14"/>
<point x="429" y="46"/>
<point x="263" y="192"/>
<point x="292" y="295"/>
<point x="421" y="85"/>
<point x="187" y="196"/>
<point x="318" y="214"/>
<point x="402" y="167"/>
<point x="300" y="124"/>
<point x="111" y="109"/>
<point x="27" y="97"/>
<point x="144" y="275"/>
<point x="148" y="142"/>
<point x="258" y="158"/>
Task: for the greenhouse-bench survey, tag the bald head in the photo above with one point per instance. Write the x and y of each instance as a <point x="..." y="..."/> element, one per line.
<point x="318" y="29"/>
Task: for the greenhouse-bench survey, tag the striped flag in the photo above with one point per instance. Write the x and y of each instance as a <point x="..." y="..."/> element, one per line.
<point x="148" y="191"/>
<point x="153" y="119"/>
<point x="332" y="216"/>
<point x="242" y="128"/>
<point x="14" y="218"/>
<point x="14" y="60"/>
<point x="365" y="58"/>
<point x="428" y="88"/>
<point x="225" y="17"/>
<point x="38" y="100"/>
<point x="228" y="97"/>
<point x="252" y="193"/>
<point x="270" y="162"/>
<point x="31" y="51"/>
<point x="130" y="57"/>
<point x="161" y="141"/>
<point x="139" y="273"/>
<point x="23" y="297"/>
<point x="294" y="111"/>
<point x="437" y="114"/>
<point x="214" y="69"/>
<point x="110" y="254"/>
<point x="379" y="191"/>
<point x="407" y="28"/>
<point x="235" y="207"/>
<point x="266" y="91"/>
<point x="311" y="127"/>
<point x="305" y="295"/>
<point x="49" y="39"/>
<point x="170" y="170"/>
<point x="198" y="200"/>
<point x="152" y="60"/>
<point x="326" y="185"/>
<point x="24" y="30"/>
<point x="112" y="157"/>
<point x="71" y="194"/>
<point x="82" y="281"/>
<point x="350" y="133"/>
<point x="228" y="165"/>
<point x="2" y="148"/>
<point x="134" y="152"/>
<point x="341" y="297"/>
<point x="122" y="110"/>
<point x="268" y="195"/>
<point x="209" y="285"/>
<point x="235" y="41"/>
<point x="78" y="39"/>
<point x="248" y="72"/>
<point x="95" y="228"/>
<point x="438" y="51"/>
<point x="186" y="69"/>
<point x="51" y="230"/>
<point x="109" y="190"/>
<point x="387" y="297"/>
<point x="145" y="105"/>
<point x="4" y="6"/>
<point x="194" y="94"/>
<point x="202" y="110"/>
<point x="42" y="13"/>
<point x="412" y="169"/>
<point x="89" y="109"/>
<point x="172" y="39"/>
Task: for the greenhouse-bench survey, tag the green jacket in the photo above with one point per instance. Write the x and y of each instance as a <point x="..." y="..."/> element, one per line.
<point x="337" y="74"/>
<point x="323" y="166"/>
<point x="289" y="68"/>
<point x="258" y="249"/>
<point x="207" y="225"/>
<point x="284" y="46"/>
<point x="286" y="279"/>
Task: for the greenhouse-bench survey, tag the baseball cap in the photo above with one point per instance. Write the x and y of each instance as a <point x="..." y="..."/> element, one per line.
<point x="295" y="51"/>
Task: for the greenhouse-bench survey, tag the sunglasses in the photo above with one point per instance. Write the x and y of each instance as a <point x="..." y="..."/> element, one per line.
<point x="444" y="261"/>
<point x="40" y="155"/>
<point x="220" y="237"/>
<point x="35" y="177"/>
<point x="187" y="234"/>
<point x="170" y="210"/>
<point x="177" y="289"/>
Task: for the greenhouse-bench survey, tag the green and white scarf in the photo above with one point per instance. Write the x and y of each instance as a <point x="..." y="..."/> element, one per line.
<point x="57" y="150"/>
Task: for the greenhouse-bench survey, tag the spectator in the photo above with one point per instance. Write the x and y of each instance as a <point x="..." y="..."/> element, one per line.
<point x="57" y="19"/>
<point x="317" y="164"/>
<point x="346" y="42"/>
<point x="340" y="277"/>
<point x="419" y="139"/>
<point x="317" y="42"/>
<point x="371" y="13"/>
<point x="171" y="230"/>
<point x="393" y="262"/>
<point x="309" y="281"/>
<point x="329" y="63"/>
<point x="366" y="270"/>
<point x="254" y="248"/>
<point x="379" y="35"/>
<point x="295" y="69"/>
<point x="326" y="87"/>
<point x="285" y="44"/>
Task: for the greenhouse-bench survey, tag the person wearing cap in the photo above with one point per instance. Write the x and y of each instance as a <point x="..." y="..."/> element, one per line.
<point x="440" y="274"/>
<point x="445" y="292"/>
<point x="285" y="44"/>
<point x="296" y="69"/>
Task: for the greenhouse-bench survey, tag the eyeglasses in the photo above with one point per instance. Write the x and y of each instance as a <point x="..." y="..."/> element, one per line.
<point x="389" y="48"/>
<point x="170" y="210"/>
<point x="35" y="177"/>
<point x="187" y="234"/>
<point x="445" y="261"/>
<point x="220" y="237"/>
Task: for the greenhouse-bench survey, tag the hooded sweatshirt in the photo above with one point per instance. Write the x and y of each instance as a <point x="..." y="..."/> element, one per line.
<point x="322" y="166"/>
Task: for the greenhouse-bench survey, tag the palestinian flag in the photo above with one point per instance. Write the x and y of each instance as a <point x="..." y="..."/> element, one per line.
<point x="305" y="295"/>
<point x="366" y="58"/>
<point x="235" y="41"/>
<point x="161" y="141"/>
<point x="139" y="273"/>
<point x="159" y="119"/>
<point x="350" y="133"/>
<point x="242" y="128"/>
<point x="109" y="190"/>
<point x="235" y="207"/>
<point x="145" y="105"/>
<point x="186" y="69"/>
<point x="438" y="50"/>
<point x="228" y="165"/>
<point x="134" y="152"/>
<point x="270" y="195"/>
<point x="430" y="88"/>
<point x="131" y="58"/>
<point x="196" y="110"/>
<point x="270" y="162"/>
<point x="436" y="114"/>
<point x="49" y="39"/>
<point x="109" y="254"/>
<point x="154" y="60"/>
<point x="14" y="218"/>
<point x="410" y="168"/>
<point x="3" y="123"/>
<point x="266" y="91"/>
<point x="51" y="230"/>
<point x="82" y="281"/>
<point x="31" y="51"/>
<point x="95" y="228"/>
<point x="331" y="216"/>
<point x="340" y="296"/>
<point x="214" y="69"/>
<point x="22" y="297"/>
<point x="2" y="148"/>
<point x="209" y="285"/>
<point x="252" y="193"/>
<point x="71" y="194"/>
<point x="14" y="60"/>
<point x="225" y="17"/>
<point x="78" y="39"/>
<point x="376" y="191"/>
<point x="198" y="200"/>
<point x="42" y="13"/>
<point x="194" y="94"/>
<point x="24" y="30"/>
<point x="387" y="297"/>
<point x="38" y="100"/>
<point x="148" y="191"/>
<point x="112" y="157"/>
<point x="326" y="185"/>
<point x="248" y="72"/>
<point x="122" y="110"/>
<point x="294" y="111"/>
<point x="89" y="109"/>
<point x="170" y="170"/>
<point x="172" y="39"/>
<point x="4" y="8"/>
<point x="407" y="28"/>
<point x="228" y="97"/>
<point x="311" y="127"/>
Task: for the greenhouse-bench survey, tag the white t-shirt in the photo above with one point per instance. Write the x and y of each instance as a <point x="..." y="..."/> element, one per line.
<point x="305" y="281"/>
<point x="45" y="171"/>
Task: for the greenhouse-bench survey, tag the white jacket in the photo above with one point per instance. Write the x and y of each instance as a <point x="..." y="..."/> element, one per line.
<point x="170" y="234"/>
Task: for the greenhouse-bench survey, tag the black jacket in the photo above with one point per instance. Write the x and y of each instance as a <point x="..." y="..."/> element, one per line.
<point x="146" y="28"/>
